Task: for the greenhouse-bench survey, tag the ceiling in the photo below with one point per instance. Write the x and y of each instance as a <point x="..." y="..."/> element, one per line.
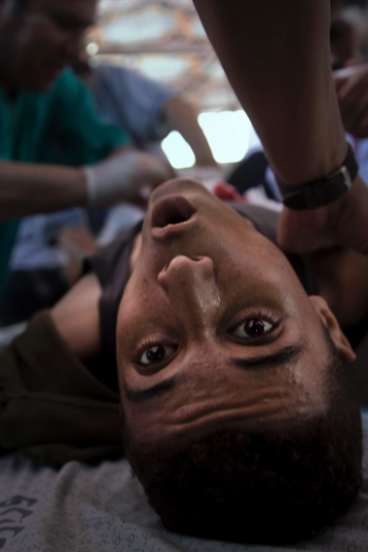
<point x="165" y="40"/>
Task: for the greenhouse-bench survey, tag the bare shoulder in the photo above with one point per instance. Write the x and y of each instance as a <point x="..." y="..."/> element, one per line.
<point x="76" y="317"/>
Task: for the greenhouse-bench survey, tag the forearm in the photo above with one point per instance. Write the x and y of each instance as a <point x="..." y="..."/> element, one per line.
<point x="30" y="188"/>
<point x="182" y="116"/>
<point x="27" y="189"/>
<point x="277" y="58"/>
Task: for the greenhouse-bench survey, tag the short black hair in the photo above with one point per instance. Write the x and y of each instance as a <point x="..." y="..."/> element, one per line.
<point x="267" y="488"/>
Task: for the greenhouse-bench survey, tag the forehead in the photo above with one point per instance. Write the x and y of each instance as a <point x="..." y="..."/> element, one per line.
<point x="70" y="13"/>
<point x="199" y="402"/>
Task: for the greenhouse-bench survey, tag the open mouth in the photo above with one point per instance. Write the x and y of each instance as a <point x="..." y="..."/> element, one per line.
<point x="172" y="212"/>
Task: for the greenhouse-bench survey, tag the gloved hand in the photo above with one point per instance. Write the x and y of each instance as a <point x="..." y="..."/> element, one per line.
<point x="128" y="177"/>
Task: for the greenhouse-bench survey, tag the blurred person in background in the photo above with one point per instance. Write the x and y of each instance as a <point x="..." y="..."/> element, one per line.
<point x="148" y="110"/>
<point x="41" y="99"/>
<point x="145" y="108"/>
<point x="349" y="42"/>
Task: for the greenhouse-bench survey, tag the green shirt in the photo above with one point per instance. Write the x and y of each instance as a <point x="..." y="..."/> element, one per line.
<point x="59" y="126"/>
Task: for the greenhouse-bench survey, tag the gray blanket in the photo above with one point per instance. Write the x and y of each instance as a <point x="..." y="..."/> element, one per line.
<point x="103" y="509"/>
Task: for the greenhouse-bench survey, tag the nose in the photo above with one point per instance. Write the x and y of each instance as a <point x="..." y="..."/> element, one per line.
<point x="193" y="292"/>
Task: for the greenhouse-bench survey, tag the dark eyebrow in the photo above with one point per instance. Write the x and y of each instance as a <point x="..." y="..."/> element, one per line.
<point x="142" y="395"/>
<point x="283" y="356"/>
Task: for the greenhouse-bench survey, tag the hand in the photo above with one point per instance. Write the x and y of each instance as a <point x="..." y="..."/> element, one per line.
<point x="127" y="177"/>
<point x="352" y="92"/>
<point x="151" y="172"/>
<point x="343" y="223"/>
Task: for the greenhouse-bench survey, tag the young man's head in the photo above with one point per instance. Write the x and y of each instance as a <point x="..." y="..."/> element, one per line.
<point x="237" y="415"/>
<point x="43" y="37"/>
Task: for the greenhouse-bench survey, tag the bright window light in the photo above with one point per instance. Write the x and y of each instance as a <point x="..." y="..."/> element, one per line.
<point x="229" y="133"/>
<point x="178" y="151"/>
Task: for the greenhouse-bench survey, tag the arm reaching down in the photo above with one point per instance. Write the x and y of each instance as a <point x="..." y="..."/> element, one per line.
<point x="277" y="58"/>
<point x="28" y="188"/>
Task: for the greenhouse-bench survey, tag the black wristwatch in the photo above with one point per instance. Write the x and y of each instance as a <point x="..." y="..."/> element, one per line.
<point x="325" y="190"/>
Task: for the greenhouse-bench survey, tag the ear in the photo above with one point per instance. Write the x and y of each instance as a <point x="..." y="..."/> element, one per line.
<point x="333" y="328"/>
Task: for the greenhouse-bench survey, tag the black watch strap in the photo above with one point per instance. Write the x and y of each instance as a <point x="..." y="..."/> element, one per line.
<point x="322" y="191"/>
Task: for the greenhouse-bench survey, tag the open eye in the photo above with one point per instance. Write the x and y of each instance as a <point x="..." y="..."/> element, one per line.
<point x="253" y="328"/>
<point x="156" y="354"/>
